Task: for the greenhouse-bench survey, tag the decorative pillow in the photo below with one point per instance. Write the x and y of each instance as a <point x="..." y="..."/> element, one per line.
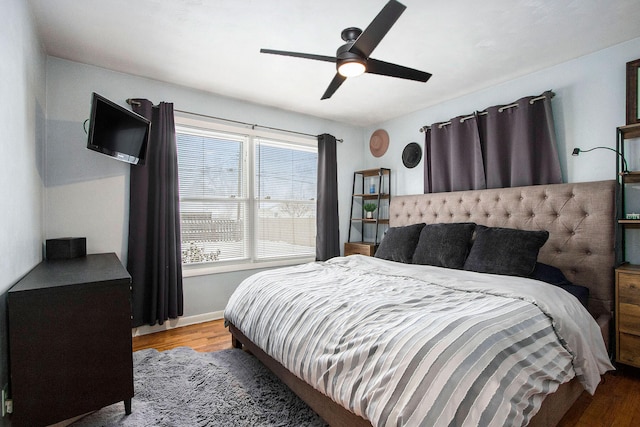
<point x="505" y="251"/>
<point x="399" y="243"/>
<point x="444" y="245"/>
<point x="580" y="292"/>
<point x="553" y="275"/>
<point x="550" y="274"/>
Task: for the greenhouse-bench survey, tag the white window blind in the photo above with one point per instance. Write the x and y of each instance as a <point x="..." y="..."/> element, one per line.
<point x="285" y="183"/>
<point x="244" y="198"/>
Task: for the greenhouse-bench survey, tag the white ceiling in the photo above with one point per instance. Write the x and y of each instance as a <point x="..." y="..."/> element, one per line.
<point x="213" y="45"/>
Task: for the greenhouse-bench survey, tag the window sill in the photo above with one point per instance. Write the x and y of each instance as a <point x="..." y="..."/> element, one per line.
<point x="192" y="271"/>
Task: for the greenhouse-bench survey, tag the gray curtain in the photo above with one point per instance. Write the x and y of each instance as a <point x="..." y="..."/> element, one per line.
<point x="519" y="144"/>
<point x="327" y="223"/>
<point x="453" y="159"/>
<point x="504" y="146"/>
<point x="154" y="258"/>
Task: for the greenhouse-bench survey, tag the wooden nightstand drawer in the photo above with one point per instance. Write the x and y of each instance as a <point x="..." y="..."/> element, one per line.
<point x="362" y="248"/>
<point x="629" y="303"/>
<point x="627" y="313"/>
<point x="629" y="349"/>
<point x="629" y="318"/>
<point x="629" y="288"/>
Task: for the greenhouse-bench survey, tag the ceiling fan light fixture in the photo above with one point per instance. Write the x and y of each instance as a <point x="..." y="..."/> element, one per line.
<point x="351" y="68"/>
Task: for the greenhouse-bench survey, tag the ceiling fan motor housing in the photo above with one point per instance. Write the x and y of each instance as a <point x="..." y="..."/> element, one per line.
<point x="346" y="54"/>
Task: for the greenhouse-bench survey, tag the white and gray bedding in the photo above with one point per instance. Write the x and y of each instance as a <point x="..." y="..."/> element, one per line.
<point x="405" y="344"/>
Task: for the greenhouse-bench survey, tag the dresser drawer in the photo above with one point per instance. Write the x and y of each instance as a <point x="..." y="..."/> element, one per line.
<point x="362" y="248"/>
<point x="627" y="312"/>
<point x="629" y="288"/>
<point x="629" y="318"/>
<point x="629" y="303"/>
<point x="629" y="349"/>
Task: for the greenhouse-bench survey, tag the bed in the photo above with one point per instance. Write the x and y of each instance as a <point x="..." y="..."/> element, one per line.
<point x="374" y="341"/>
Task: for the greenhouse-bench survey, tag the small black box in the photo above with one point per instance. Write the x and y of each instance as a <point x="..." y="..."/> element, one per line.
<point x="66" y="247"/>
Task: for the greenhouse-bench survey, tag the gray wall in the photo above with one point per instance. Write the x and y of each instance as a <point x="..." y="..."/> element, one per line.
<point x="588" y="106"/>
<point x="87" y="194"/>
<point x="22" y="83"/>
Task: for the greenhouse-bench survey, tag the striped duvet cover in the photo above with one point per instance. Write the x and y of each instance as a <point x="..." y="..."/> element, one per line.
<point x="417" y="345"/>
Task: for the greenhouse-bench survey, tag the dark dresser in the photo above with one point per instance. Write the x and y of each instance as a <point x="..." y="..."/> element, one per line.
<point x="70" y="339"/>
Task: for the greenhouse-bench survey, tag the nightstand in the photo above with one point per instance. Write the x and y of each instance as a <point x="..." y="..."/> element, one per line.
<point x="628" y="314"/>
<point x="362" y="248"/>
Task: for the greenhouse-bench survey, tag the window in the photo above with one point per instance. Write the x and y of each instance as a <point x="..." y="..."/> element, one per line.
<point x="245" y="198"/>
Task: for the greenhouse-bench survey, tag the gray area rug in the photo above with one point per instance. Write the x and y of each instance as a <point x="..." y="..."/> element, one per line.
<point x="182" y="387"/>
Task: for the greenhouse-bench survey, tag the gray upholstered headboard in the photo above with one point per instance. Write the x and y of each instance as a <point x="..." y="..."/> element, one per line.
<point x="580" y="218"/>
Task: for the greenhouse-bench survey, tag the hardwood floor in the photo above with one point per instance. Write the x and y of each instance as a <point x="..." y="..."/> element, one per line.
<point x="616" y="402"/>
<point x="204" y="337"/>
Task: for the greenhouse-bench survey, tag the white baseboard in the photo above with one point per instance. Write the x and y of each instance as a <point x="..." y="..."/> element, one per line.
<point x="177" y="323"/>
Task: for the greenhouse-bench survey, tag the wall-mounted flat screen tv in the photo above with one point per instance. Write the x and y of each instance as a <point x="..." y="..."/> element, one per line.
<point x="117" y="132"/>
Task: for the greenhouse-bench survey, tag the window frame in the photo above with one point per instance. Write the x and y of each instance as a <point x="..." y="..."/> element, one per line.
<point x="252" y="135"/>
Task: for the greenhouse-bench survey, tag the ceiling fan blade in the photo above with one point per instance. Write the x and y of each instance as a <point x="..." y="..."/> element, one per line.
<point x="378" y="28"/>
<point x="333" y="86"/>
<point x="300" y="55"/>
<point x="375" y="66"/>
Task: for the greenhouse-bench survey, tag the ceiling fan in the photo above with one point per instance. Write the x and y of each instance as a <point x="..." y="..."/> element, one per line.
<point x="352" y="58"/>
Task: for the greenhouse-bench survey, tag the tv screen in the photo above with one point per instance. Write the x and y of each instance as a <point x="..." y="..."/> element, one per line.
<point x="117" y="132"/>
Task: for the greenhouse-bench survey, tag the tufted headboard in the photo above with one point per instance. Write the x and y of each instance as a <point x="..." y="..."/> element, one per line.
<point x="580" y="218"/>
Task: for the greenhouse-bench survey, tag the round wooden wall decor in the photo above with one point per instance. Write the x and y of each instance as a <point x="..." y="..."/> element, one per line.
<point x="379" y="142"/>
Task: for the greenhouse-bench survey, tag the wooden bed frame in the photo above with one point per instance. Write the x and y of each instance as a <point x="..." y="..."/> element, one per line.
<point x="580" y="218"/>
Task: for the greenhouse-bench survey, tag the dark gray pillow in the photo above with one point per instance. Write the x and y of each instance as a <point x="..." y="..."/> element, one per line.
<point x="444" y="245"/>
<point x="550" y="274"/>
<point x="505" y="251"/>
<point x="553" y="275"/>
<point x="399" y="243"/>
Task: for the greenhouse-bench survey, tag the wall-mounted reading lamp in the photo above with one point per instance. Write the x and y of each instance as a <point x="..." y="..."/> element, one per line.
<point x="577" y="151"/>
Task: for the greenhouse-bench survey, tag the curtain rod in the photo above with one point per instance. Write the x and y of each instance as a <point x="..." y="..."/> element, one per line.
<point x="483" y="113"/>
<point x="253" y="125"/>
